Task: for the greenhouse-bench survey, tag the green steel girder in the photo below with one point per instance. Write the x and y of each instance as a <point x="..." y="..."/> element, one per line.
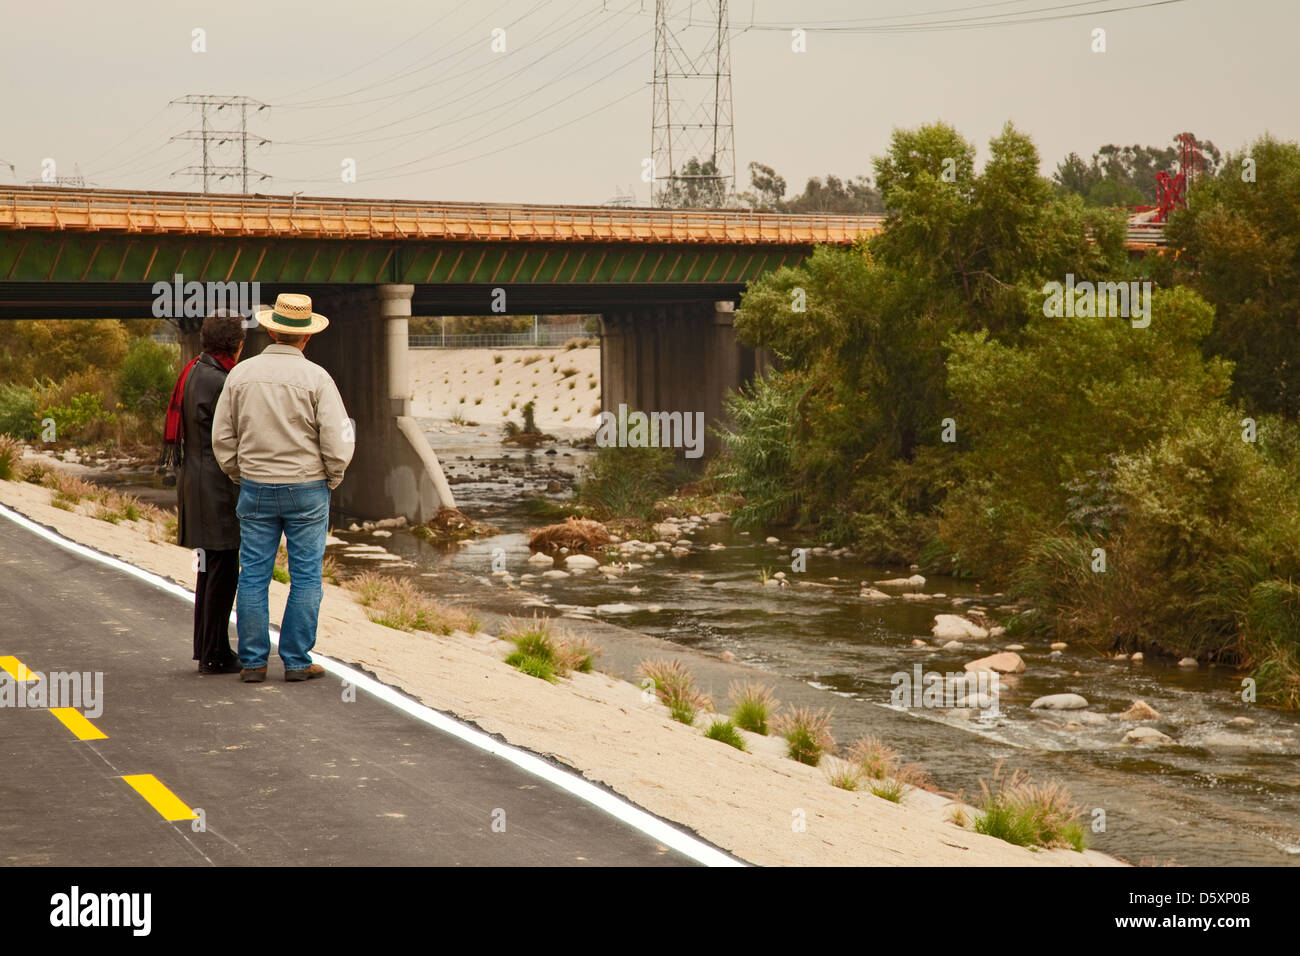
<point x="29" y="256"/>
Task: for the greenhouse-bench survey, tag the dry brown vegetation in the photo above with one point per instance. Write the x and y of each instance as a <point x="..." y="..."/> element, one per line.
<point x="576" y="534"/>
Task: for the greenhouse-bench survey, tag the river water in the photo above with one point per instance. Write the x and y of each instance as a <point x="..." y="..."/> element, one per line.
<point x="1225" y="795"/>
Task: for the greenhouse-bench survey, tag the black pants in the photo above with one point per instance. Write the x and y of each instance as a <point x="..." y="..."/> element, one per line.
<point x="214" y="596"/>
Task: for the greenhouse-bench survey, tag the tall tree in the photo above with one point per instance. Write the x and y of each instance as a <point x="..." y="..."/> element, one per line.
<point x="697" y="185"/>
<point x="1239" y="246"/>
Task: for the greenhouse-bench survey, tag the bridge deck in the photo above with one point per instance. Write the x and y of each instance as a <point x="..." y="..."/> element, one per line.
<point x="92" y="210"/>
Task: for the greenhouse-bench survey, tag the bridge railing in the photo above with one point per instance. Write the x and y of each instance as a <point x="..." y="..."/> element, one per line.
<point x="297" y="216"/>
<point x="62" y="209"/>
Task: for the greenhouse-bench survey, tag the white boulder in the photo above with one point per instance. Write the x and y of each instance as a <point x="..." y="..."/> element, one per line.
<point x="1060" y="702"/>
<point x="953" y="627"/>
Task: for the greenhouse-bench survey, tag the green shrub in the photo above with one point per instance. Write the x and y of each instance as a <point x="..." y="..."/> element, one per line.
<point x="1200" y="519"/>
<point x="757" y="451"/>
<point x="626" y="482"/>
<point x="148" y="375"/>
<point x="1046" y="426"/>
<point x="18" y="411"/>
<point x="1272" y="636"/>
<point x="73" y="421"/>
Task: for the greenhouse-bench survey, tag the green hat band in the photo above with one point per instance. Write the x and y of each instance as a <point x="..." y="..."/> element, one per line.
<point x="296" y="323"/>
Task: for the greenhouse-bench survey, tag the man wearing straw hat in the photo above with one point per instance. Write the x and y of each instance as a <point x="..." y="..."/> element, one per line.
<point x="280" y="430"/>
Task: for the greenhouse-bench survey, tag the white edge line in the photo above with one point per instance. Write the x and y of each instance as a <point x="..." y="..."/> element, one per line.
<point x="612" y="804"/>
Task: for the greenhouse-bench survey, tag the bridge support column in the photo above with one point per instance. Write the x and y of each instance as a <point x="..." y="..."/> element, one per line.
<point x="393" y="470"/>
<point x="674" y="359"/>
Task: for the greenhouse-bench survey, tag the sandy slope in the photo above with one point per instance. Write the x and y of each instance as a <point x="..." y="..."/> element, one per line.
<point x="744" y="802"/>
<point x="440" y="378"/>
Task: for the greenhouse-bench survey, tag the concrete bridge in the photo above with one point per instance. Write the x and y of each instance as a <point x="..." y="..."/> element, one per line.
<point x="665" y="282"/>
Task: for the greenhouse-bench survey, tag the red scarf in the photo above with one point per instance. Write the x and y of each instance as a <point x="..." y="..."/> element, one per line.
<point x="174" y="430"/>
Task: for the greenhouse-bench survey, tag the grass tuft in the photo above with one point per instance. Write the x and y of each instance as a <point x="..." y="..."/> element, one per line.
<point x="675" y="687"/>
<point x="752" y="705"/>
<point x="875" y="758"/>
<point x="397" y="603"/>
<point x="891" y="789"/>
<point x="545" y="650"/>
<point x="726" y="732"/>
<point x="845" y="775"/>
<point x="1029" y="814"/>
<point x="807" y="734"/>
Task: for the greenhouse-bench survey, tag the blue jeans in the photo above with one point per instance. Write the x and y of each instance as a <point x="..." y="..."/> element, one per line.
<point x="301" y="512"/>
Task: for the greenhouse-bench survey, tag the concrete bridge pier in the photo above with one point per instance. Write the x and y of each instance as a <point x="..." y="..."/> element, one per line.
<point x="393" y="470"/>
<point x="680" y="358"/>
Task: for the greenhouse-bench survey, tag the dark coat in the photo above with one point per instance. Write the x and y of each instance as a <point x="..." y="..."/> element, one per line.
<point x="205" y="497"/>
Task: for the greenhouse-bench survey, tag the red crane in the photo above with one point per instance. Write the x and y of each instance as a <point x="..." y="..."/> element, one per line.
<point x="1171" y="190"/>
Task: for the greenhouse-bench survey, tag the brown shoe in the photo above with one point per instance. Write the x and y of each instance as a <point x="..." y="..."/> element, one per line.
<point x="314" y="671"/>
<point x="253" y="675"/>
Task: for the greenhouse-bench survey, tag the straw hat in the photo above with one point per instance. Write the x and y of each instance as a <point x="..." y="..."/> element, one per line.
<point x="292" y="315"/>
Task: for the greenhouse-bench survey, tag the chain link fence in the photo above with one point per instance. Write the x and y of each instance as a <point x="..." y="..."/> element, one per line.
<point x="540" y="337"/>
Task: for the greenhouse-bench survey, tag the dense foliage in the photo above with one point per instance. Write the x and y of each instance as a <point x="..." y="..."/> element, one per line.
<point x="97" y="382"/>
<point x="1116" y="474"/>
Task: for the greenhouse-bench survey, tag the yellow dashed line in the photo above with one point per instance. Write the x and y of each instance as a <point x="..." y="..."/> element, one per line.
<point x="76" y="722"/>
<point x="16" y="668"/>
<point x="170" y="806"/>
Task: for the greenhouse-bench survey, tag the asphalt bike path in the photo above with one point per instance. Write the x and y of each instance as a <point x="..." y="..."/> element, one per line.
<point x="173" y="768"/>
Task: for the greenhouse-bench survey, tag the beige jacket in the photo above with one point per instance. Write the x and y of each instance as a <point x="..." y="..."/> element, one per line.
<point x="281" y="420"/>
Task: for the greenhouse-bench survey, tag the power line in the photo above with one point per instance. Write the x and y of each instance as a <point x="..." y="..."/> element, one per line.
<point x="493" y="152"/>
<point x="969" y="23"/>
<point x="308" y="104"/>
<point x="471" y="97"/>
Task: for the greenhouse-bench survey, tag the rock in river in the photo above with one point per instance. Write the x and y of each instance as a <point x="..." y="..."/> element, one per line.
<point x="1060" y="702"/>
<point x="616" y="608"/>
<point x="1006" y="662"/>
<point x="953" y="627"/>
<point x="1147" y="737"/>
<point x="1140" y="710"/>
<point x="915" y="581"/>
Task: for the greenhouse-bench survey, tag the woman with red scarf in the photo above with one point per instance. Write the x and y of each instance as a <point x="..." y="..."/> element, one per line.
<point x="205" y="497"/>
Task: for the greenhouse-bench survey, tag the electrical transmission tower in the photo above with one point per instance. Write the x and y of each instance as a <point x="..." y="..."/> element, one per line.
<point x="76" y="180"/>
<point x="692" y="152"/>
<point x="217" y="139"/>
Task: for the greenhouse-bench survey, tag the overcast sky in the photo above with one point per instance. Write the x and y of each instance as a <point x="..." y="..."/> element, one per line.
<point x="412" y="91"/>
